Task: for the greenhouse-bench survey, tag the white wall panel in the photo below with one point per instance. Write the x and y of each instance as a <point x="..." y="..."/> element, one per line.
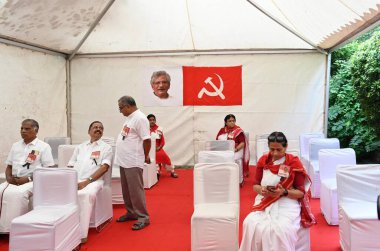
<point x="280" y="92"/>
<point x="32" y="85"/>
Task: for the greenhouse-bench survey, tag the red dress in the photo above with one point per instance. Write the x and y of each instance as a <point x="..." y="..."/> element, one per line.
<point x="161" y="156"/>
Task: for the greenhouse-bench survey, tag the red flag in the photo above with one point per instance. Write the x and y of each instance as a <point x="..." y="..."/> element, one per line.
<point x="212" y="85"/>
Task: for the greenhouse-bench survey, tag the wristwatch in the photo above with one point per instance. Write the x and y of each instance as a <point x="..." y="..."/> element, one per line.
<point x="90" y="179"/>
<point x="285" y="193"/>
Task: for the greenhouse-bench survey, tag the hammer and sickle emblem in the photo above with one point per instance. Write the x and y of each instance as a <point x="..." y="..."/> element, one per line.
<point x="216" y="92"/>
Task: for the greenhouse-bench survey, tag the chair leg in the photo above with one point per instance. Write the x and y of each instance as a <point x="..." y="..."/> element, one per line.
<point x="103" y="225"/>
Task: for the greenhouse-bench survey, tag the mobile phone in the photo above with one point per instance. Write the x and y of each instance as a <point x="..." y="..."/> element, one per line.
<point x="271" y="188"/>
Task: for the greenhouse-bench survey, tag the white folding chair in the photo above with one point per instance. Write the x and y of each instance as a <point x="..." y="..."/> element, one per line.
<point x="53" y="224"/>
<point x="328" y="161"/>
<point x="304" y="139"/>
<point x="315" y="145"/>
<point x="215" y="221"/>
<point x="358" y="187"/>
<point x="215" y="156"/>
<point x="54" y="143"/>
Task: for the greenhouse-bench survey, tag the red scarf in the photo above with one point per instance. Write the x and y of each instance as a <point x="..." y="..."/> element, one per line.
<point x="294" y="164"/>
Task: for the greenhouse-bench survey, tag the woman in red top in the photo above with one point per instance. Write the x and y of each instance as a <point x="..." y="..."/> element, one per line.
<point x="162" y="159"/>
<point x="231" y="131"/>
<point x="281" y="204"/>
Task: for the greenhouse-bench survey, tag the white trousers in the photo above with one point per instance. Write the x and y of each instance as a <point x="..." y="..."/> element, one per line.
<point x="14" y="202"/>
<point x="86" y="201"/>
<point x="276" y="227"/>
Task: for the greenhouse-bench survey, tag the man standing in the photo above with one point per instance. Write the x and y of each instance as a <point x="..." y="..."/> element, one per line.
<point x="132" y="150"/>
<point x="24" y="157"/>
<point x="91" y="159"/>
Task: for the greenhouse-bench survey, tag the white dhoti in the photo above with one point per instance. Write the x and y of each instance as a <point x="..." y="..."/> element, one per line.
<point x="86" y="201"/>
<point x="276" y="227"/>
<point x="15" y="201"/>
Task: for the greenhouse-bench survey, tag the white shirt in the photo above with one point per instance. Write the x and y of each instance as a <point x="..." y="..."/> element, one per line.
<point x="88" y="157"/>
<point x="153" y="100"/>
<point x="129" y="143"/>
<point x="37" y="153"/>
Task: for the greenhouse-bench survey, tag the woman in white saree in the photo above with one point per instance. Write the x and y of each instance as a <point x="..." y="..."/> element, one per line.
<point x="276" y="215"/>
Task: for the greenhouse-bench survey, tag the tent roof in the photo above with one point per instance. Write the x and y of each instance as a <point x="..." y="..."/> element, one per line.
<point x="145" y="26"/>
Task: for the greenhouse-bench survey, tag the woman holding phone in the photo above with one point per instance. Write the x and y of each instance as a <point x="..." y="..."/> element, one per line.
<point x="281" y="204"/>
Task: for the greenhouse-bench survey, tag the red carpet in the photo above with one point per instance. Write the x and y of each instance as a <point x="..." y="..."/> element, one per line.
<point x="170" y="204"/>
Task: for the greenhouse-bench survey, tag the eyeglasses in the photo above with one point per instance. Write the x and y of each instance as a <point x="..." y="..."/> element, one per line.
<point x="121" y="107"/>
<point x="276" y="138"/>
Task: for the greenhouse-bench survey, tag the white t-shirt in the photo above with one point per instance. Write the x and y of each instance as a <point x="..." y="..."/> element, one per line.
<point x="129" y="143"/>
<point x="37" y="153"/>
<point x="88" y="157"/>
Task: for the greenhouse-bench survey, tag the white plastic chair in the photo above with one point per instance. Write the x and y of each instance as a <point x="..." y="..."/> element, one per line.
<point x="102" y="211"/>
<point x="358" y="188"/>
<point x="215" y="156"/>
<point x="304" y="140"/>
<point x="215" y="221"/>
<point x="328" y="161"/>
<point x="54" y="143"/>
<point x="315" y="145"/>
<point x="53" y="224"/>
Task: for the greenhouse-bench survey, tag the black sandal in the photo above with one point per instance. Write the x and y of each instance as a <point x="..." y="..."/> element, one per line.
<point x="140" y="225"/>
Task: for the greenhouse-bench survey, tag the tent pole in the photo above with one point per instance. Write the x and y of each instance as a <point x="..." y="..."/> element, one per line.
<point x="192" y="53"/>
<point x="97" y="20"/>
<point x="327" y="93"/>
<point x="287" y="27"/>
<point x="68" y="98"/>
<point x="31" y="47"/>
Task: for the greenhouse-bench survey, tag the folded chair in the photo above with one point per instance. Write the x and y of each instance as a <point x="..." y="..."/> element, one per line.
<point x="53" y="224"/>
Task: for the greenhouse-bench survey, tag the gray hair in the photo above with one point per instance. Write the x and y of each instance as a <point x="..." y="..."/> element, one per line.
<point x="127" y="100"/>
<point x="157" y="74"/>
<point x="33" y="122"/>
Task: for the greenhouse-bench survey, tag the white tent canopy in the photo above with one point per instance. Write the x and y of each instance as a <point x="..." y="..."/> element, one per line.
<point x="80" y="56"/>
<point x="182" y="25"/>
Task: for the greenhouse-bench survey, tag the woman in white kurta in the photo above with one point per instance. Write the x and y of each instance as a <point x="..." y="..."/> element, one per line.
<point x="279" y="184"/>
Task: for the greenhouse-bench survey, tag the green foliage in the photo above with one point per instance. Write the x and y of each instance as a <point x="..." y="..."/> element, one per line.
<point x="365" y="76"/>
<point x="355" y="94"/>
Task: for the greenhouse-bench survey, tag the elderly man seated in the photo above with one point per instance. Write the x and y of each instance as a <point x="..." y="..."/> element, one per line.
<point x="91" y="159"/>
<point x="25" y="156"/>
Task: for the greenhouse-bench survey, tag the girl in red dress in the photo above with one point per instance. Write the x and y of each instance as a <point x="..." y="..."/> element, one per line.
<point x="162" y="158"/>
